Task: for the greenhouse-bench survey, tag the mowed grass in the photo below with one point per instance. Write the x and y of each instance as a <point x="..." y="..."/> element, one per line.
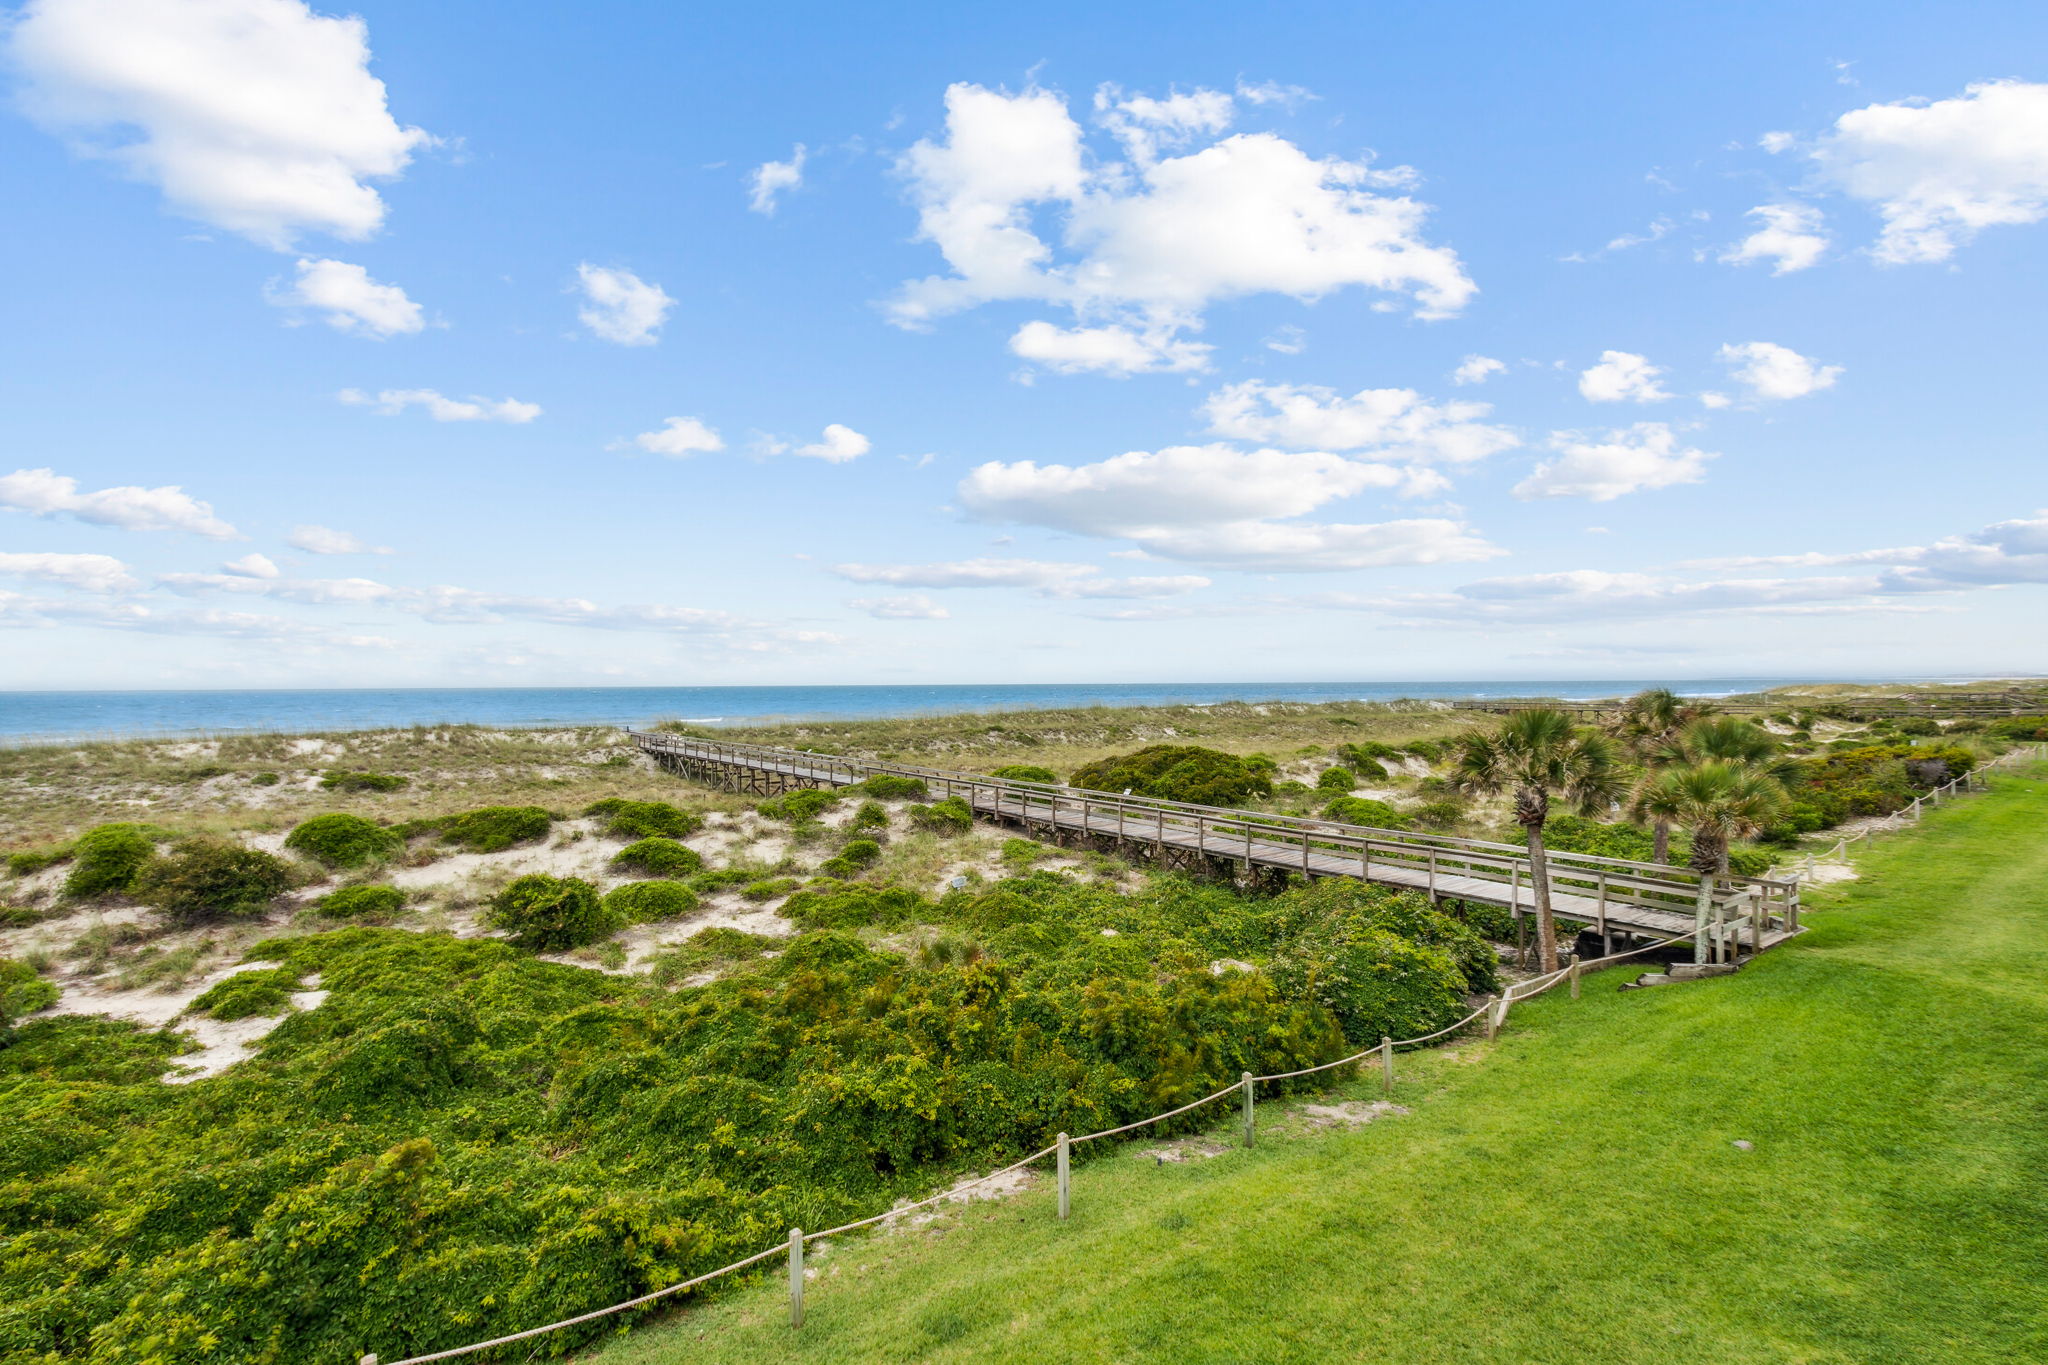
<point x="1571" y="1192"/>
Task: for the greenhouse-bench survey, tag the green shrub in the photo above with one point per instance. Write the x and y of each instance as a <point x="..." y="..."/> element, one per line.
<point x="492" y="829"/>
<point x="1026" y="772"/>
<point x="1577" y="834"/>
<point x="19" y="916"/>
<point x="806" y="803"/>
<point x="1438" y="815"/>
<point x="1336" y="780"/>
<point x="708" y="950"/>
<point x="370" y="903"/>
<point x="645" y="902"/>
<point x="263" y="990"/>
<point x="265" y="780"/>
<point x="861" y="852"/>
<point x="644" y="819"/>
<point x="340" y="840"/>
<point x="1916" y="725"/>
<point x="30" y="861"/>
<point x="854" y="907"/>
<point x="869" y="817"/>
<point x="341" y="780"/>
<point x="890" y="787"/>
<point x="720" y="879"/>
<point x="204" y="878"/>
<point x="1428" y="750"/>
<point x="1171" y="772"/>
<point x="2025" y="729"/>
<point x="1375" y="982"/>
<point x="552" y="914"/>
<point x="658" y="858"/>
<point x="106" y="859"/>
<point x="1360" y="810"/>
<point x="22" y="992"/>
<point x="950" y="816"/>
<point x="1019" y="854"/>
<point x="769" y="888"/>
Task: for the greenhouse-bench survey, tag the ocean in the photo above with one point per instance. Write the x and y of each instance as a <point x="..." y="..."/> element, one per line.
<point x="45" y="717"/>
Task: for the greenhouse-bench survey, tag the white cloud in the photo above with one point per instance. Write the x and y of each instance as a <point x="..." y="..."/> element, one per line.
<point x="391" y="402"/>
<point x="839" y="444"/>
<point x="1622" y="377"/>
<point x="1655" y="232"/>
<point x="772" y="178"/>
<point x="1711" y="399"/>
<point x="680" y="437"/>
<point x="325" y="540"/>
<point x="1791" y="238"/>
<point x="257" y="116"/>
<point x="253" y="566"/>
<point x="968" y="573"/>
<point x="1940" y="172"/>
<point x="352" y="301"/>
<point x="18" y="611"/>
<point x="1646" y="455"/>
<point x="1114" y="350"/>
<point x="1595" y="595"/>
<point x="46" y="493"/>
<point x="1287" y="97"/>
<point x="1287" y="339"/>
<point x="620" y="306"/>
<point x="2005" y="553"/>
<point x="1476" y="369"/>
<point x="1773" y="371"/>
<point x="1396" y="424"/>
<point x="1217" y="505"/>
<point x="1145" y="124"/>
<point x="93" y="573"/>
<point x="902" y="607"/>
<point x="1150" y="242"/>
<point x="1164" y="585"/>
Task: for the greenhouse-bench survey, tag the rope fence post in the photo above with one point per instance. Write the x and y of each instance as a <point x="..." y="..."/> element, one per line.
<point x="1387" y="1063"/>
<point x="1066" y="1177"/>
<point x="796" y="1277"/>
<point x="1250" y="1126"/>
<point x="1575" y="978"/>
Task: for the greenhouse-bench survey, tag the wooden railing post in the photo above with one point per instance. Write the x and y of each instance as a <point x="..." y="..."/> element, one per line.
<point x="1066" y="1175"/>
<point x="1386" y="1064"/>
<point x="796" y="1277"/>
<point x="1250" y="1124"/>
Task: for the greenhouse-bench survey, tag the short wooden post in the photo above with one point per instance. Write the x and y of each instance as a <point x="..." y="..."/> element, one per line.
<point x="1387" y="1063"/>
<point x="796" y="1277"/>
<point x="370" y="1359"/>
<point x="1066" y="1176"/>
<point x="1250" y="1126"/>
<point x="1575" y="978"/>
<point x="1700" y="911"/>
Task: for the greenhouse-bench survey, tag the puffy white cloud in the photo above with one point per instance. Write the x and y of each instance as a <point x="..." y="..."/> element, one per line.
<point x="351" y="300"/>
<point x="391" y="402"/>
<point x="772" y="178"/>
<point x="253" y="566"/>
<point x="325" y="540"/>
<point x="93" y="573"/>
<point x="257" y="116"/>
<point x="619" y="306"/>
<point x="2005" y="553"/>
<point x="1144" y="124"/>
<point x="1217" y="505"/>
<point x="1151" y="242"/>
<point x="1939" y="172"/>
<point x="1590" y="594"/>
<point x="1773" y="371"/>
<point x="1791" y="238"/>
<point x="1396" y="424"/>
<point x="1114" y="350"/>
<point x="680" y="437"/>
<point x="1622" y="377"/>
<point x="1476" y="369"/>
<point x="46" y="493"/>
<point x="1646" y="455"/>
<point x="968" y="573"/>
<point x="901" y="607"/>
<point x="1288" y="97"/>
<point x="838" y="445"/>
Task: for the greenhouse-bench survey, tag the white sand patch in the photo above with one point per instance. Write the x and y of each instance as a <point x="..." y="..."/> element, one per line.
<point x="1351" y="1114"/>
<point x="1825" y="873"/>
<point x="969" y="1189"/>
<point x="588" y="858"/>
<point x="221" y="1045"/>
<point x="311" y="748"/>
<point x="1181" y="1151"/>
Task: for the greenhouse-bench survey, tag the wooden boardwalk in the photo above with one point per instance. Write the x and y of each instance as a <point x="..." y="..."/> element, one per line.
<point x="1611" y="896"/>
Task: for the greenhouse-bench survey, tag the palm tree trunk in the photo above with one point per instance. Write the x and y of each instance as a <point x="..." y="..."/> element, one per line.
<point x="1709" y="852"/>
<point x="1539" y="884"/>
<point x="1660" y="833"/>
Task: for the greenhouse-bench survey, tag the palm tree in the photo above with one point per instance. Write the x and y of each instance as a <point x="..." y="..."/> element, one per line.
<point x="1540" y="756"/>
<point x="1649" y="724"/>
<point x="1719" y="800"/>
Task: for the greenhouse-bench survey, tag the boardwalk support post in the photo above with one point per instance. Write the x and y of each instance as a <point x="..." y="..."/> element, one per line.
<point x="1250" y="1127"/>
<point x="1066" y="1176"/>
<point x="1699" y="919"/>
<point x="1387" y="1063"/>
<point x="796" y="1277"/>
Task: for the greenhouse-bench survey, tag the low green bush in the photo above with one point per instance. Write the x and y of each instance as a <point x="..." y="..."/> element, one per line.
<point x="491" y="829"/>
<point x="260" y="991"/>
<point x="643" y="819"/>
<point x="1180" y="772"/>
<point x="870" y="817"/>
<point x="265" y="780"/>
<point x="854" y="907"/>
<point x="1336" y="780"/>
<point x="341" y="780"/>
<point x="29" y="861"/>
<point x="1019" y="854"/>
<point x="1025" y="772"/>
<point x="1361" y="810"/>
<point x="1438" y="815"/>
<point x="2026" y="729"/>
<point x="204" y="879"/>
<point x="950" y="816"/>
<point x="807" y="803"/>
<point x="19" y="916"/>
<point x="721" y="879"/>
<point x="341" y="840"/>
<point x="1428" y="750"/>
<point x="22" y="992"/>
<point x="769" y="888"/>
<point x="106" y="859"/>
<point x="717" y="949"/>
<point x="368" y="903"/>
<point x="658" y="858"/>
<point x="646" y="902"/>
<point x="852" y="859"/>
<point x="552" y="914"/>
<point x="890" y="787"/>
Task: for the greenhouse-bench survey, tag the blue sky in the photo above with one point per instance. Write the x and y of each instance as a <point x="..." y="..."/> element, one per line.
<point x="504" y="344"/>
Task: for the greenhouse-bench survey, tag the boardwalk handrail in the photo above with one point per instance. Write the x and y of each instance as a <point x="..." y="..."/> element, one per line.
<point x="1264" y="837"/>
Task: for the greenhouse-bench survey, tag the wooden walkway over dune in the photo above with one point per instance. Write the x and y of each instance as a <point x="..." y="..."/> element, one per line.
<point x="1611" y="896"/>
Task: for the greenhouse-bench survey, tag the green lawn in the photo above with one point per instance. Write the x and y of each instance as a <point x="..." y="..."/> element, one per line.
<point x="1570" y="1193"/>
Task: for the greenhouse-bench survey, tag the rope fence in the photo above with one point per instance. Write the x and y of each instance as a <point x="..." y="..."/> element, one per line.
<point x="1494" y="1012"/>
<point x="1911" y="815"/>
